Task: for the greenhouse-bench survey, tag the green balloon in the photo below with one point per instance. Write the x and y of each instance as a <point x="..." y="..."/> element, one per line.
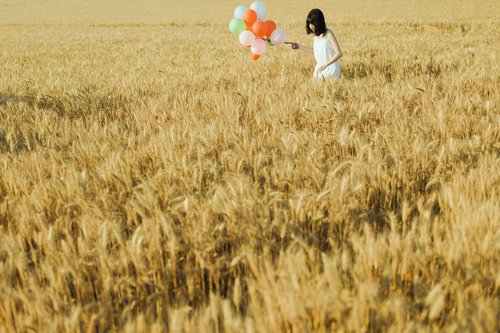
<point x="237" y="26"/>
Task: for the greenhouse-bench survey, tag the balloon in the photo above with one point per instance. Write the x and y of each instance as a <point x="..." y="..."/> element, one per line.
<point x="250" y="16"/>
<point x="236" y="26"/>
<point x="258" y="46"/>
<point x="278" y="37"/>
<point x="259" y="8"/>
<point x="270" y="27"/>
<point x="239" y="11"/>
<point x="254" y="31"/>
<point x="259" y="29"/>
<point x="246" y="38"/>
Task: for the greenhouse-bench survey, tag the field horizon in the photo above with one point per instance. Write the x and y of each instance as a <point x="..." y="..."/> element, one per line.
<point x="155" y="179"/>
<point x="217" y="11"/>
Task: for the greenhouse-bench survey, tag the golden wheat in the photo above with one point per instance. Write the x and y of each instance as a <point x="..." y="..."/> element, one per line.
<point x="153" y="178"/>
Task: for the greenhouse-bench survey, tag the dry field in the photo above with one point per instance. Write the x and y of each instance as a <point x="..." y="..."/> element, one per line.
<point x="154" y="179"/>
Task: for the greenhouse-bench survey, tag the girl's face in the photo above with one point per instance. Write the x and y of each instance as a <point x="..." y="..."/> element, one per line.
<point x="311" y="26"/>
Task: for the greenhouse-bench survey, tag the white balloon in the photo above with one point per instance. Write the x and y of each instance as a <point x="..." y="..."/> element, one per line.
<point x="239" y="11"/>
<point x="259" y="7"/>
<point x="246" y="38"/>
<point x="278" y="37"/>
<point x="258" y="46"/>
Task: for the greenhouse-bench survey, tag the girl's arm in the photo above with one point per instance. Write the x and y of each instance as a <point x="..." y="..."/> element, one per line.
<point x="336" y="47"/>
<point x="297" y="46"/>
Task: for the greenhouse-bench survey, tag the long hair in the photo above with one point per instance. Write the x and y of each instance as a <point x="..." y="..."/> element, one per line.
<point x="317" y="19"/>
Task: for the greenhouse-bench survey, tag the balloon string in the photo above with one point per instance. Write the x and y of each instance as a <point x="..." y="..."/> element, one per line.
<point x="269" y="40"/>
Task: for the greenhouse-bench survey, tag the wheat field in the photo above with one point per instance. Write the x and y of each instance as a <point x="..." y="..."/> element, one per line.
<point x="154" y="179"/>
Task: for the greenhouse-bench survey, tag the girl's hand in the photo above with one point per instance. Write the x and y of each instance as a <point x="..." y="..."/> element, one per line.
<point x="297" y="46"/>
<point x="321" y="69"/>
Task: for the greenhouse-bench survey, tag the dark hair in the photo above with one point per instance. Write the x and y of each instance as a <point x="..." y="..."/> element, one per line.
<point x="317" y="19"/>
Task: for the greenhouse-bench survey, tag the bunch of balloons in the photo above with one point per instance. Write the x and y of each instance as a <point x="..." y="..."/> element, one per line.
<point x="253" y="30"/>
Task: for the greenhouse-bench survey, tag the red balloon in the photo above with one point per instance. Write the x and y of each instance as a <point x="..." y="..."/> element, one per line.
<point x="270" y="27"/>
<point x="249" y="17"/>
<point x="259" y="29"/>
<point x="255" y="57"/>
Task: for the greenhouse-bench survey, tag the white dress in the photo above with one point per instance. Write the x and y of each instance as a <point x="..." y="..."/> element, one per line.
<point x="323" y="52"/>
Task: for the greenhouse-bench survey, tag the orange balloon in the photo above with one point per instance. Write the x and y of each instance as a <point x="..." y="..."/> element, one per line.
<point x="255" y="57"/>
<point x="259" y="29"/>
<point x="249" y="17"/>
<point x="270" y="27"/>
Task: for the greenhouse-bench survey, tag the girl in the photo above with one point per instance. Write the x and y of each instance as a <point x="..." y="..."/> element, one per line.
<point x="326" y="48"/>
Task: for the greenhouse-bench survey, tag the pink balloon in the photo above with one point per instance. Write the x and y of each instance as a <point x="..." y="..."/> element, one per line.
<point x="246" y="38"/>
<point x="258" y="46"/>
<point x="278" y="36"/>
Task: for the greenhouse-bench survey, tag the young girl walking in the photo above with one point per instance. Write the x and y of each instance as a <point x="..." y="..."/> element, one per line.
<point x="326" y="48"/>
